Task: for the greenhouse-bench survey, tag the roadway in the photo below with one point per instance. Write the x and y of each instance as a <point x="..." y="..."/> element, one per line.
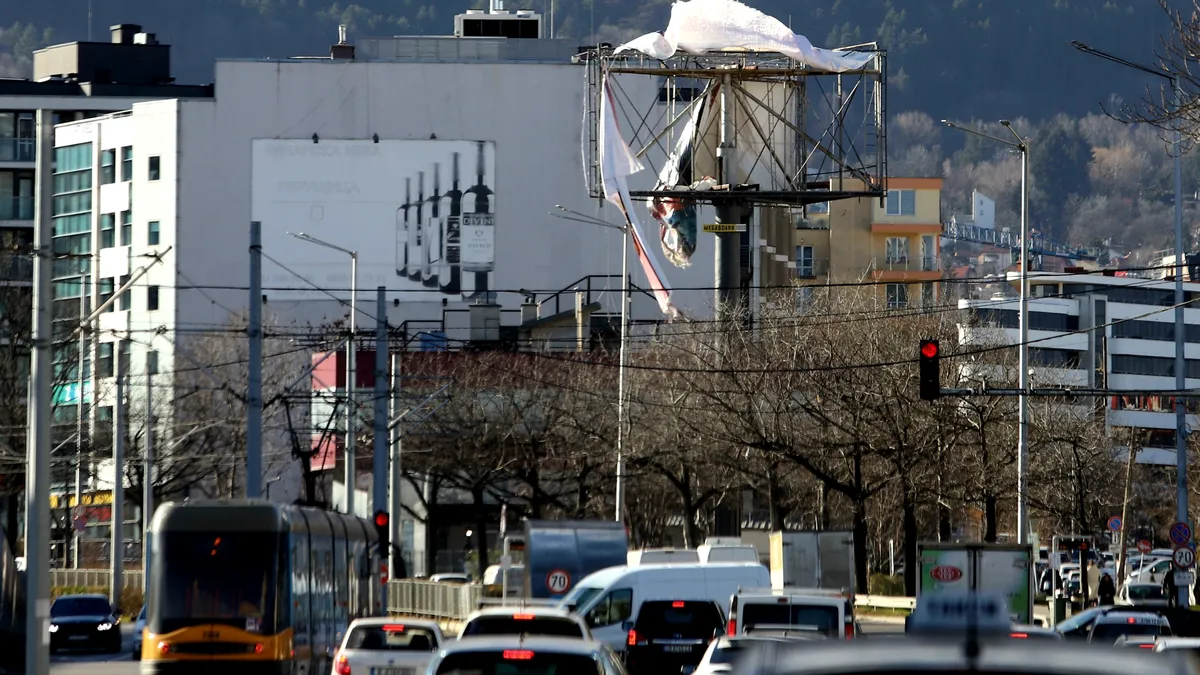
<point x="123" y="663"/>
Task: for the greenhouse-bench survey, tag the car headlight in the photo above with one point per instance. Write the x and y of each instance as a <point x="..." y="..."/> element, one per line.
<point x="53" y="628"/>
<point x="104" y="626"/>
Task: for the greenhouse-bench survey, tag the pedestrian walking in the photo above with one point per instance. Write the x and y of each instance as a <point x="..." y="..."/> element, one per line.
<point x="1107" y="591"/>
<point x="1170" y="589"/>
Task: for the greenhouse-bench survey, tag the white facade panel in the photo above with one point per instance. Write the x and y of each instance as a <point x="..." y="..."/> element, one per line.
<point x="114" y="263"/>
<point x="1145" y="419"/>
<point x="114" y="198"/>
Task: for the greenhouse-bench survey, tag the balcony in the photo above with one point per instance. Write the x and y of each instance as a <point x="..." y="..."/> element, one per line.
<point x="17" y="149"/>
<point x="905" y="263"/>
<point x="16" y="208"/>
<point x="16" y="268"/>
<point x="811" y="268"/>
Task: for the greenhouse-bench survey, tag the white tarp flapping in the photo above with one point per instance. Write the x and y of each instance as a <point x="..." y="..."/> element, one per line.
<point x="700" y="26"/>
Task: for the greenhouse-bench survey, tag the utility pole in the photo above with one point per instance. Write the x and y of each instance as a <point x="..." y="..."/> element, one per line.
<point x="116" y="551"/>
<point x="396" y="504"/>
<point x="37" y="476"/>
<point x="254" y="401"/>
<point x="379" y="462"/>
<point x="351" y="476"/>
<point x="147" y="482"/>
<point x="728" y="264"/>
<point x="622" y="359"/>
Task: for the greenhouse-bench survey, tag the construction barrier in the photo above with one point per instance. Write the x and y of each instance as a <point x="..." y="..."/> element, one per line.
<point x="92" y="578"/>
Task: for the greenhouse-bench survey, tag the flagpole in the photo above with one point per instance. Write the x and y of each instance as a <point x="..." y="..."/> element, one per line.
<point x="621" y="403"/>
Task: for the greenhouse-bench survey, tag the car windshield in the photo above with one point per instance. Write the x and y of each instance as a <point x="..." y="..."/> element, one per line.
<point x="1146" y="592"/>
<point x="822" y="618"/>
<point x="581" y="596"/>
<point x="729" y="653"/>
<point x="76" y="606"/>
<point x="217" y="577"/>
<point x="392" y="637"/>
<point x="1107" y="633"/>
<point x="518" y="662"/>
<point x="523" y="625"/>
<point x="1079" y="620"/>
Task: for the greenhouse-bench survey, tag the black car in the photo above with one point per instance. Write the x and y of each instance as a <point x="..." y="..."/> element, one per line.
<point x="670" y="634"/>
<point x="84" y="622"/>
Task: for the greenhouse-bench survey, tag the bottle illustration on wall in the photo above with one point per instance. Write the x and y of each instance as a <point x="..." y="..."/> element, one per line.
<point x="433" y="233"/>
<point x="449" y="272"/>
<point x="402" y="230"/>
<point x="416" y="239"/>
<point x="478" y="228"/>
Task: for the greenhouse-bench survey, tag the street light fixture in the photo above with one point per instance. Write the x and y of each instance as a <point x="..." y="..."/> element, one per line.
<point x="351" y="355"/>
<point x="1022" y="146"/>
<point x="1181" y="428"/>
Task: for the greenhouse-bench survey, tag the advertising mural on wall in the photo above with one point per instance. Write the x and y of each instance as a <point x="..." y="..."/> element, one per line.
<point x="419" y="214"/>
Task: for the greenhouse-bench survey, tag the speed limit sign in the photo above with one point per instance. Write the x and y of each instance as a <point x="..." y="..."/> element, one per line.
<point x="558" y="581"/>
<point x="1184" y="558"/>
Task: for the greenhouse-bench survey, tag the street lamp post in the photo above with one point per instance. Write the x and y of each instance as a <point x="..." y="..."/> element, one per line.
<point x="1181" y="495"/>
<point x="351" y="355"/>
<point x="1022" y="146"/>
<point x="622" y="407"/>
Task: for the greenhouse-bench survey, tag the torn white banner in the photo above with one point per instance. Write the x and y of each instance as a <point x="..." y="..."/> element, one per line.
<point x="699" y="26"/>
<point x="617" y="162"/>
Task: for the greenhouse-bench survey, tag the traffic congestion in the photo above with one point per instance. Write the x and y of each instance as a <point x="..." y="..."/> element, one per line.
<point x="252" y="587"/>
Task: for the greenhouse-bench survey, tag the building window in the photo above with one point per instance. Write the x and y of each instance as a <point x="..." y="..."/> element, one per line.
<point x="897" y="296"/>
<point x="127" y="228"/>
<point x="152" y="362"/>
<point x="153" y="172"/>
<point x="124" y="301"/>
<point x="897" y="250"/>
<point x="152" y="233"/>
<point x="104" y="360"/>
<point x="123" y="357"/>
<point x="927" y="295"/>
<point x="108" y="230"/>
<point x="804" y="262"/>
<point x="108" y="166"/>
<point x="127" y="164"/>
<point x="106" y="291"/>
<point x="151" y="298"/>
<point x="902" y="202"/>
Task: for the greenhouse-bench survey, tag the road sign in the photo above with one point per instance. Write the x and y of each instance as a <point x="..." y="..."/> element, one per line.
<point x="558" y="581"/>
<point x="383" y="573"/>
<point x="1144" y="546"/>
<point x="1184" y="558"/>
<point x="1181" y="534"/>
<point x="1184" y="579"/>
<point x="1114" y="523"/>
<point x="722" y="228"/>
<point x="80" y="523"/>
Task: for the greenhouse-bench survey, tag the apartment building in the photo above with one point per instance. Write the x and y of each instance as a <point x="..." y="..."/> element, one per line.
<point x="1097" y="330"/>
<point x="895" y="243"/>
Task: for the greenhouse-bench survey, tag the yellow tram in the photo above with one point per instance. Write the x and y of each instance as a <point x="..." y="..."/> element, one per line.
<point x="253" y="587"/>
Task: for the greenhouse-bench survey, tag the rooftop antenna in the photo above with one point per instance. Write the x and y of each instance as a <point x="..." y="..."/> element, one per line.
<point x="341" y="34"/>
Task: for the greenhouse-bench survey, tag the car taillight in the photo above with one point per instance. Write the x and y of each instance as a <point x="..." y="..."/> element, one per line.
<point x="1146" y="646"/>
<point x="164" y="648"/>
<point x="1020" y="636"/>
<point x="343" y="665"/>
<point x="731" y="629"/>
<point x="632" y="640"/>
<point x="849" y="630"/>
<point x="518" y="654"/>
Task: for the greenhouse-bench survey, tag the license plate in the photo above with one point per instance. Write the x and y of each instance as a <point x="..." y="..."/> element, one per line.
<point x="78" y="637"/>
<point x="678" y="649"/>
<point x="393" y="671"/>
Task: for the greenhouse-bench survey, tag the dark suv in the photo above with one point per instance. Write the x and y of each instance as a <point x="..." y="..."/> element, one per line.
<point x="671" y="634"/>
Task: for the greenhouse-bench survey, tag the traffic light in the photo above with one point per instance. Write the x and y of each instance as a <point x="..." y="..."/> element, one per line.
<point x="383" y="531"/>
<point x="930" y="370"/>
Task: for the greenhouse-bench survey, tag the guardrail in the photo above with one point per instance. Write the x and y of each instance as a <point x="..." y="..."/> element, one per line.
<point x="885" y="602"/>
<point x="427" y="599"/>
<point x="453" y="602"/>
<point x="92" y="578"/>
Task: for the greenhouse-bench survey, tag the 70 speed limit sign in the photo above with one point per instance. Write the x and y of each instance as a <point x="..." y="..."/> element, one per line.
<point x="558" y="581"/>
<point x="1184" y="558"/>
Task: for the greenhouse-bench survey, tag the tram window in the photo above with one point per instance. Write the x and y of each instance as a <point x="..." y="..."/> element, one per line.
<point x="223" y="577"/>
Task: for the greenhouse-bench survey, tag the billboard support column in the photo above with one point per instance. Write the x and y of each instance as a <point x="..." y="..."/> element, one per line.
<point x="379" y="462"/>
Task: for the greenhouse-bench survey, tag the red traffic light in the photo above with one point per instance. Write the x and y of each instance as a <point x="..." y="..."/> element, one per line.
<point x="381" y="519"/>
<point x="929" y="350"/>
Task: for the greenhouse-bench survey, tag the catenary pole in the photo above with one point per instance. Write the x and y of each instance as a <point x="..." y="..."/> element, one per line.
<point x="147" y="482"/>
<point x="37" y="476"/>
<point x="254" y="401"/>
<point x="379" y="462"/>
<point x="116" y="549"/>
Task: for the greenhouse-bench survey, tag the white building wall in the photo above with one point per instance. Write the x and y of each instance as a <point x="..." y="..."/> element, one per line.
<point x="532" y="112"/>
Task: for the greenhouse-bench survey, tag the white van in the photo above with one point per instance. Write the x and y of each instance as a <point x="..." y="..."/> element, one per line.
<point x="608" y="600"/>
<point x="726" y="550"/>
